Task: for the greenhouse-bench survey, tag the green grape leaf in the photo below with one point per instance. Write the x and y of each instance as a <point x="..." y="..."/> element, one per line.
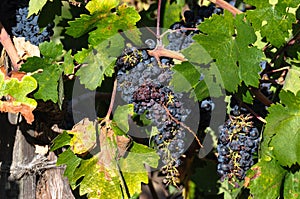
<point x="292" y="80"/>
<point x="99" y="62"/>
<point x="36" y="5"/>
<point x="121" y="116"/>
<point x="19" y="89"/>
<point x="266" y="179"/>
<point x="145" y="155"/>
<point x="172" y="12"/>
<point x="231" y="47"/>
<point x="100" y="181"/>
<point x="14" y="90"/>
<point x="248" y="57"/>
<point x="292" y="185"/>
<point x="189" y="72"/>
<point x="101" y="5"/>
<point x="247" y="97"/>
<point x="48" y="70"/>
<point x="81" y="25"/>
<point x="124" y="19"/>
<point x="60" y="141"/>
<point x="154" y="131"/>
<point x="48" y="83"/>
<point x="108" y="172"/>
<point x="71" y="161"/>
<point x="211" y="83"/>
<point x="133" y="166"/>
<point x="229" y="191"/>
<point x="107" y="23"/>
<point x="98" y="9"/>
<point x="223" y="47"/>
<point x="273" y="20"/>
<point x="68" y="65"/>
<point x="51" y="50"/>
<point x="58" y="28"/>
<point x="84" y="138"/>
<point x="187" y="79"/>
<point x="284" y="128"/>
<point x="101" y="173"/>
<point x="134" y="35"/>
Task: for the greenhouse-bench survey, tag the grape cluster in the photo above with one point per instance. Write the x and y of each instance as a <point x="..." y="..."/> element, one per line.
<point x="28" y="28"/>
<point x="238" y="141"/>
<point x="182" y="38"/>
<point x="143" y="82"/>
<point x="163" y="107"/>
<point x="129" y="58"/>
<point x="140" y="68"/>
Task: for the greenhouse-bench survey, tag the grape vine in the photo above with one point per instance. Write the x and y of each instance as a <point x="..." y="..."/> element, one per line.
<point x="205" y="104"/>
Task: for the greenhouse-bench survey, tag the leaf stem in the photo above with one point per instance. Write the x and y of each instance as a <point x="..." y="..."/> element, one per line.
<point x="10" y="48"/>
<point x="112" y="100"/>
<point x="223" y="4"/>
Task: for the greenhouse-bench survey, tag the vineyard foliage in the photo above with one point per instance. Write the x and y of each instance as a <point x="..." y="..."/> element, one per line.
<point x="225" y="60"/>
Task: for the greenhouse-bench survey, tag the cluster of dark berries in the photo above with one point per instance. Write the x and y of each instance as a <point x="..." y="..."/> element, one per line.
<point x="238" y="141"/>
<point x="28" y="28"/>
<point x="143" y="82"/>
<point x="163" y="107"/>
<point x="182" y="38"/>
<point x="129" y="58"/>
<point x="137" y="68"/>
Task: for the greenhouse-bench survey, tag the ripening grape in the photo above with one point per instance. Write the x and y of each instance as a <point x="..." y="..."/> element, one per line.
<point x="28" y="28"/>
<point x="238" y="141"/>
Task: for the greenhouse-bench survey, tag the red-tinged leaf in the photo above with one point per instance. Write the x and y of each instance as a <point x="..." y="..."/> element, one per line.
<point x="25" y="110"/>
<point x="84" y="138"/>
<point x="266" y="178"/>
<point x="14" y="90"/>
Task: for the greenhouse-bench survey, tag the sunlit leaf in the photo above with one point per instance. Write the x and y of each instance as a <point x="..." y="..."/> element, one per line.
<point x="284" y="128"/>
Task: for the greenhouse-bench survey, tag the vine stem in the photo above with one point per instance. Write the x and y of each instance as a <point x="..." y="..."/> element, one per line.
<point x="10" y="48"/>
<point x="112" y="100"/>
<point x="250" y="110"/>
<point x="158" y="21"/>
<point x="183" y="125"/>
<point x="279" y="70"/>
<point x="260" y="96"/>
<point x="223" y="4"/>
<point x="290" y="43"/>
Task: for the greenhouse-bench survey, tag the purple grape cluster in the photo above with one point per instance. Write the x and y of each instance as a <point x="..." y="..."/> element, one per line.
<point x="163" y="107"/>
<point x="238" y="141"/>
<point x="28" y="28"/>
<point x="182" y="38"/>
<point x="129" y="58"/>
<point x="143" y="82"/>
<point x="135" y="67"/>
